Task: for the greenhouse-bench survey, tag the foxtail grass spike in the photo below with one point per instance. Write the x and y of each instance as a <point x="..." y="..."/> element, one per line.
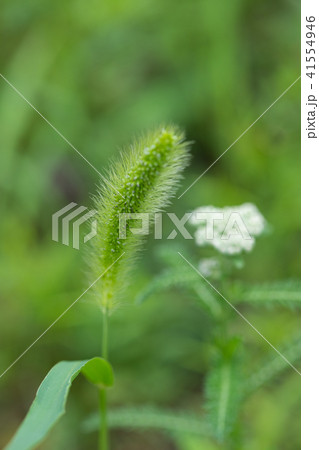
<point x="142" y="181"/>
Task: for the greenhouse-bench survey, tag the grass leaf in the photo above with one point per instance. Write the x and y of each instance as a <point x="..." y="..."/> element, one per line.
<point x="49" y="403"/>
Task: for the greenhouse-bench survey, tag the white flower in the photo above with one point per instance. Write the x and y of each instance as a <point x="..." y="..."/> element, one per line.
<point x="230" y="230"/>
<point x="207" y="266"/>
<point x="233" y="244"/>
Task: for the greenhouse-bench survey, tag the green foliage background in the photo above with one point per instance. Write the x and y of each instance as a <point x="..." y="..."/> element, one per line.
<point x="102" y="72"/>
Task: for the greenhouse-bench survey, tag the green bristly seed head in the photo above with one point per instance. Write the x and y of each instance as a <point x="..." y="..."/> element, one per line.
<point x="143" y="181"/>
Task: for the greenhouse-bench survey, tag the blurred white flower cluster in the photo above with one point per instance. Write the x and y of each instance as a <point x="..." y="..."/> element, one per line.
<point x="209" y="266"/>
<point x="230" y="230"/>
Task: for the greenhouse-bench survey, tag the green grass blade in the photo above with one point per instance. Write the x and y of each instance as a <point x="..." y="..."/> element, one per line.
<point x="49" y="403"/>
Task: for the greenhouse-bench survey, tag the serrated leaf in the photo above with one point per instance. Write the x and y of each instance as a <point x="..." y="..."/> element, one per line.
<point x="49" y="403"/>
<point x="182" y="278"/>
<point x="166" y="280"/>
<point x="207" y="295"/>
<point x="223" y="392"/>
<point x="273" y="366"/>
<point x="168" y="254"/>
<point x="283" y="293"/>
<point x="148" y="417"/>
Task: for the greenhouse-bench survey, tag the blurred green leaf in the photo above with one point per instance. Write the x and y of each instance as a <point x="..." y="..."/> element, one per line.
<point x="282" y="293"/>
<point x="153" y="418"/>
<point x="273" y="366"/>
<point x="167" y="280"/>
<point x="223" y="392"/>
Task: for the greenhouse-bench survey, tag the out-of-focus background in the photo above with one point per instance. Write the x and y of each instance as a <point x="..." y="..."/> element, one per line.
<point x="101" y="73"/>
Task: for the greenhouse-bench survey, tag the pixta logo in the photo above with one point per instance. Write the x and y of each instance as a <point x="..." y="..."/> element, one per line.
<point x="63" y="220"/>
<point x="223" y="229"/>
<point x="214" y="224"/>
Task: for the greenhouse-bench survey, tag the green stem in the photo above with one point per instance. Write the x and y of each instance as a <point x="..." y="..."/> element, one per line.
<point x="104" y="334"/>
<point x="103" y="437"/>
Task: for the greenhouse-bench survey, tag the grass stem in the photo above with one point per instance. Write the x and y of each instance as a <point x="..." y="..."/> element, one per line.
<point x="103" y="436"/>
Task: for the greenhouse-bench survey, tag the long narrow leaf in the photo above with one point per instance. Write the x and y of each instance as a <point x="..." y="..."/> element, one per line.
<point x="223" y="392"/>
<point x="49" y="403"/>
<point x="273" y="366"/>
<point x="283" y="293"/>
